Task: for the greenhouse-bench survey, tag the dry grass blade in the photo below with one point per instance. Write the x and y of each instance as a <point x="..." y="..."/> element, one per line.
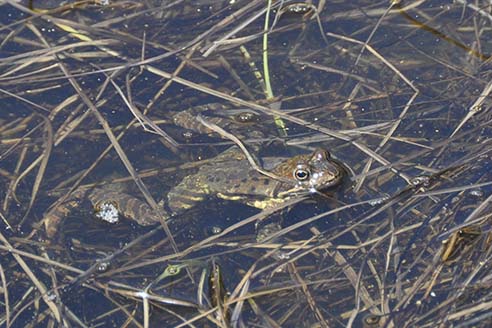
<point x="238" y="142"/>
<point x="392" y="4"/>
<point x="36" y="282"/>
<point x="208" y="50"/>
<point x="310" y="300"/>
<point x="25" y="60"/>
<point x="120" y="152"/>
<point x="6" y="300"/>
<point x="313" y="219"/>
<point x="84" y="275"/>
<point x="398" y="92"/>
<point x="42" y="167"/>
<point x="41" y="259"/>
<point x="476" y="8"/>
<point x="145" y="121"/>
<point x="33" y="104"/>
<point x="476" y="107"/>
<point x="168" y="83"/>
<point x="210" y="241"/>
<point x="266" y="320"/>
<point x="10" y="194"/>
<point x="270" y="111"/>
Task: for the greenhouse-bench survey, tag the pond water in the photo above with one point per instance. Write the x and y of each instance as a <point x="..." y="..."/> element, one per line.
<point x="103" y="110"/>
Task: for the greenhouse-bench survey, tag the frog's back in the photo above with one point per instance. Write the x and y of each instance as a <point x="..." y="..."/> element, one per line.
<point x="230" y="176"/>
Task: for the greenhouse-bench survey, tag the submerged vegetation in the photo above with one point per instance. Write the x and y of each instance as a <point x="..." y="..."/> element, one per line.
<point x="193" y="110"/>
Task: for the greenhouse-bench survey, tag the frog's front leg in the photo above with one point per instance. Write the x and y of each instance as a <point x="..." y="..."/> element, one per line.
<point x="54" y="216"/>
<point x="189" y="192"/>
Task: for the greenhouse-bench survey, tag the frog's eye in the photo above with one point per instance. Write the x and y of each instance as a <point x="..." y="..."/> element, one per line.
<point x="302" y="173"/>
<point x="321" y="155"/>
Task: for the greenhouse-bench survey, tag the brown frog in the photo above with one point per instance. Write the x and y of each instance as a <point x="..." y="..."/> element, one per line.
<point x="229" y="175"/>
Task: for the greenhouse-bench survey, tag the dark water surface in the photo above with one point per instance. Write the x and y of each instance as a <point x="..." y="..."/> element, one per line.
<point x="399" y="92"/>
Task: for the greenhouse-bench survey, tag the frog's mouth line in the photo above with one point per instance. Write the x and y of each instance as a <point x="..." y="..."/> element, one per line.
<point x="300" y="191"/>
<point x="294" y="192"/>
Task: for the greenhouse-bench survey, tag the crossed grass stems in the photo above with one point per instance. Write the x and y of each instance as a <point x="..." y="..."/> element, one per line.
<point x="296" y="250"/>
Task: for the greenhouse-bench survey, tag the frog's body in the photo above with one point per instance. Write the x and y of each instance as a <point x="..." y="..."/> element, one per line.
<point x="229" y="176"/>
<point x="232" y="177"/>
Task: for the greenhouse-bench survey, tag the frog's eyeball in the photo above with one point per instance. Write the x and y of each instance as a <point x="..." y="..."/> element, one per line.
<point x="302" y="173"/>
<point x="321" y="155"/>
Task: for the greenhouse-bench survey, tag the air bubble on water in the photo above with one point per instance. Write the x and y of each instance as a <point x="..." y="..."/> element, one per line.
<point x="282" y="256"/>
<point x="377" y="201"/>
<point x="51" y="296"/>
<point x="216" y="230"/>
<point x="420" y="180"/>
<point x="103" y="266"/>
<point x="476" y="193"/>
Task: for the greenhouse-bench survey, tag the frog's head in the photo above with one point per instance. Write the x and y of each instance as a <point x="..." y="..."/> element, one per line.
<point x="309" y="173"/>
<point x="318" y="171"/>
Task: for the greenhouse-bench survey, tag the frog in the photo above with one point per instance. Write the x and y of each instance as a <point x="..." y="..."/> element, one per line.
<point x="229" y="176"/>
